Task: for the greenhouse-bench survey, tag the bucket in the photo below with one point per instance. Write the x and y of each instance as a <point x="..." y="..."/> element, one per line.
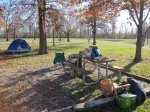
<point x="105" y="81"/>
<point x="106" y="87"/>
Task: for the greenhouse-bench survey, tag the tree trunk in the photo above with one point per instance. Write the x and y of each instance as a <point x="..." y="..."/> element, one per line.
<point x="60" y="36"/>
<point x="138" y="56"/>
<point x="147" y="37"/>
<point x="88" y="33"/>
<point x="53" y="39"/>
<point x="147" y="33"/>
<point x="138" y="45"/>
<point x="81" y="32"/>
<point x="14" y="35"/>
<point x="43" y="41"/>
<point x="68" y="38"/>
<point x="34" y="35"/>
<point x="94" y="31"/>
<point x="7" y="35"/>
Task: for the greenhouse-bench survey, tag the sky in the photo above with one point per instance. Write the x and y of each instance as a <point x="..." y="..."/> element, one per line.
<point x="122" y="19"/>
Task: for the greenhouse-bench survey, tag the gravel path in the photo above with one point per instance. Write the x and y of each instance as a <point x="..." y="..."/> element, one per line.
<point x="132" y="45"/>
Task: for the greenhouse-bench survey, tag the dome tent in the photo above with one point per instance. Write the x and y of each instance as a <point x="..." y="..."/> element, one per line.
<point x="18" y="46"/>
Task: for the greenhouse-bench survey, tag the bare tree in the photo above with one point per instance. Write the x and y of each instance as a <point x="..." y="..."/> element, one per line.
<point x="9" y="13"/>
<point x="69" y="27"/>
<point x="137" y="10"/>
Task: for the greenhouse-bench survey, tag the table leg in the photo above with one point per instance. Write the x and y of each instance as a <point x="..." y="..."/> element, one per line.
<point x="84" y="63"/>
<point x="87" y="84"/>
<point x="98" y="79"/>
<point x="78" y="62"/>
<point x="106" y="69"/>
<point x="99" y="73"/>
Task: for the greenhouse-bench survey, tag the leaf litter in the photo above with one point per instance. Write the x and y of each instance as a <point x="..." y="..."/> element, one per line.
<point x="35" y="86"/>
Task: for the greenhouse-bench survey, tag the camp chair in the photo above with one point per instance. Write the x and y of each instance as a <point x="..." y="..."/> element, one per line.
<point x="59" y="57"/>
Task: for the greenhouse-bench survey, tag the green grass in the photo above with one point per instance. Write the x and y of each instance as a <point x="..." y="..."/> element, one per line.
<point x="112" y="48"/>
<point x="145" y="107"/>
<point x="117" y="49"/>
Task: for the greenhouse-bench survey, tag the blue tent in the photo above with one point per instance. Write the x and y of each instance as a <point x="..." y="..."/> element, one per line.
<point x="18" y="46"/>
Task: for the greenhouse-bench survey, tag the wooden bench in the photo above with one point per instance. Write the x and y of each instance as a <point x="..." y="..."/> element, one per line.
<point x="81" y="70"/>
<point x="119" y="69"/>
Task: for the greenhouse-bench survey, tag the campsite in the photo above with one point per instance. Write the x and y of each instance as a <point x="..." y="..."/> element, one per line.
<point x="31" y="82"/>
<point x="74" y="56"/>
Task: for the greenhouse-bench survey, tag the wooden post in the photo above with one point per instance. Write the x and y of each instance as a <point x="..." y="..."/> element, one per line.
<point x="80" y="62"/>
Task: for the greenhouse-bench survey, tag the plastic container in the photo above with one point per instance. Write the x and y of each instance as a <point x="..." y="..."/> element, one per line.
<point x="106" y="87"/>
<point x="126" y="100"/>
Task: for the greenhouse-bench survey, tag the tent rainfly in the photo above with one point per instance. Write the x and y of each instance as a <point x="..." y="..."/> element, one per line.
<point x="18" y="46"/>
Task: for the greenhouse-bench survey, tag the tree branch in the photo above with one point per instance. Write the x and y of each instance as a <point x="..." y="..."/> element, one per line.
<point x="146" y="15"/>
<point x="130" y="11"/>
<point x="147" y="30"/>
<point x="133" y="6"/>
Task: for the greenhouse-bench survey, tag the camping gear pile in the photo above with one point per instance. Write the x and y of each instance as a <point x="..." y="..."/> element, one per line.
<point x="91" y="52"/>
<point x="127" y="94"/>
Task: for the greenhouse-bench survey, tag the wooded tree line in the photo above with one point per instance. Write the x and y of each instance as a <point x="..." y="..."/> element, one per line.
<point x="74" y="18"/>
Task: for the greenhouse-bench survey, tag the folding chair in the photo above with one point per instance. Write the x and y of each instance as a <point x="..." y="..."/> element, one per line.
<point x="59" y="57"/>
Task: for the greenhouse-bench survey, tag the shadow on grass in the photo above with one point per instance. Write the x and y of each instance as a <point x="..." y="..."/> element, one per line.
<point x="7" y="56"/>
<point x="129" y="66"/>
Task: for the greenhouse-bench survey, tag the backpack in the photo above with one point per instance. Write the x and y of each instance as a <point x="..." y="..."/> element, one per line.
<point x="95" y="52"/>
<point x="136" y="89"/>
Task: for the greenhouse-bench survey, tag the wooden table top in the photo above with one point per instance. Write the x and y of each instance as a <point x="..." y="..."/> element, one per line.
<point x="100" y="60"/>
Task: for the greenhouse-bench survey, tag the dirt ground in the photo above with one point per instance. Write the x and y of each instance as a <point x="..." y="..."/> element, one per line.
<point x="33" y="87"/>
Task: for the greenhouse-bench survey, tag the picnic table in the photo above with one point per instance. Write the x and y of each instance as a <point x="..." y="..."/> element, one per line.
<point x="97" y="63"/>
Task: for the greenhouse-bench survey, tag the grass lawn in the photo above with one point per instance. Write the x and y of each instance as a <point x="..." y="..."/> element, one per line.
<point x="122" y="50"/>
<point x="119" y="49"/>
